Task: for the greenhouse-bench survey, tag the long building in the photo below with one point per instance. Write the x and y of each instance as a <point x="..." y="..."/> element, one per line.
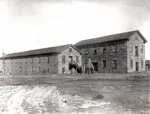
<point x="118" y="53"/>
<point x="53" y="60"/>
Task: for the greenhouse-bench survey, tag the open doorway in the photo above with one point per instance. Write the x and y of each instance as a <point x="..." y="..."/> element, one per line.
<point x="137" y="66"/>
<point x="95" y="65"/>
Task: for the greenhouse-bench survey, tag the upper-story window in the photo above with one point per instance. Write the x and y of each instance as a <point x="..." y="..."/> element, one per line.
<point x="142" y="49"/>
<point x="136" y="51"/>
<point x="39" y="60"/>
<point x="20" y="68"/>
<point x="31" y="60"/>
<point x="70" y="50"/>
<point x="95" y="51"/>
<point x="104" y="50"/>
<point x="63" y="59"/>
<point x="131" y="47"/>
<point x="86" y="52"/>
<point x="77" y="59"/>
<point x="114" y="48"/>
<point x="47" y="59"/>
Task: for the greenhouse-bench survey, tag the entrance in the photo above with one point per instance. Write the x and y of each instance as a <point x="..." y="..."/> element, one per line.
<point x="95" y="65"/>
<point x="137" y="66"/>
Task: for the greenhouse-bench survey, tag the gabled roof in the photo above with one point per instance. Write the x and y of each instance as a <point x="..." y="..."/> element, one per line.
<point x="114" y="37"/>
<point x="50" y="50"/>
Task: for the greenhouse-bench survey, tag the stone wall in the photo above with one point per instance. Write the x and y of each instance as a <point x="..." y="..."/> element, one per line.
<point x="40" y="64"/>
<point x="95" y="52"/>
<point x="74" y="53"/>
<point x="136" y="41"/>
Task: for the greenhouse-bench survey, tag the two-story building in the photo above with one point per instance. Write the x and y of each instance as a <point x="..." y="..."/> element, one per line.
<point x="54" y="60"/>
<point x="118" y="53"/>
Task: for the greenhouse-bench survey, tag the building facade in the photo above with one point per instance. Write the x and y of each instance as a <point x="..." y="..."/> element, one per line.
<point x="119" y="53"/>
<point x="54" y="60"/>
<point x="147" y="65"/>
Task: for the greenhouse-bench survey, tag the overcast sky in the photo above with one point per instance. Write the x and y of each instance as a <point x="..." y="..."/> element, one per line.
<point x="33" y="24"/>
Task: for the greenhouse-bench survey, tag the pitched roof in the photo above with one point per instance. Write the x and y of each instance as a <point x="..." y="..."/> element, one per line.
<point x="147" y="62"/>
<point x="50" y="50"/>
<point x="113" y="37"/>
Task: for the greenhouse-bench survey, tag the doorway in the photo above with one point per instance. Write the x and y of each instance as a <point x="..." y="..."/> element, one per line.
<point x="137" y="66"/>
<point x="95" y="65"/>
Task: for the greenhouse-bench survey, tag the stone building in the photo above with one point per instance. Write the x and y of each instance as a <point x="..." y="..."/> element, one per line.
<point x="54" y="60"/>
<point x="147" y="65"/>
<point x="118" y="53"/>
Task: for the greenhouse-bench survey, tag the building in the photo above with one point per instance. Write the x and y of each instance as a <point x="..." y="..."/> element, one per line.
<point x="54" y="60"/>
<point x="118" y="53"/>
<point x="147" y="65"/>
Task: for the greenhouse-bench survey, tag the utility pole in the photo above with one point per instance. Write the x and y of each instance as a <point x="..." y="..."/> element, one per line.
<point x="3" y="53"/>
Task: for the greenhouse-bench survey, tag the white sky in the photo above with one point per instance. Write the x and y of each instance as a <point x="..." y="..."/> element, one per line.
<point x="33" y="24"/>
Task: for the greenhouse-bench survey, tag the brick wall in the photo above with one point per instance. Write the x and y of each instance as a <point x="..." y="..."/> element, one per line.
<point x="120" y="56"/>
<point x="65" y="65"/>
<point x="135" y="41"/>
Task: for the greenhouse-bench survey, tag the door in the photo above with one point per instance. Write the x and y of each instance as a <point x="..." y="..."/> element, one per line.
<point x="137" y="66"/>
<point x="95" y="65"/>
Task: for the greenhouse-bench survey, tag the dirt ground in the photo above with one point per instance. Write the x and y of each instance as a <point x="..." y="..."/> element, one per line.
<point x="78" y="94"/>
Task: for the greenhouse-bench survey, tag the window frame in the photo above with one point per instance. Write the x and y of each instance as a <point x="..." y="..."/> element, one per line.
<point x="104" y="50"/>
<point x="114" y="48"/>
<point x="114" y="64"/>
<point x="63" y="59"/>
<point x="104" y="64"/>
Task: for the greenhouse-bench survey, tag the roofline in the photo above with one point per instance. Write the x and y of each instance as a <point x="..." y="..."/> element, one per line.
<point x="113" y="40"/>
<point x="73" y="47"/>
<point x="145" y="41"/>
<point x="102" y="42"/>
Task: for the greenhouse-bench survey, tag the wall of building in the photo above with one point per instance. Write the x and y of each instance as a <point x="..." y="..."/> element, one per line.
<point x="65" y="65"/>
<point x="32" y="65"/>
<point x="135" y="40"/>
<point x="120" y="56"/>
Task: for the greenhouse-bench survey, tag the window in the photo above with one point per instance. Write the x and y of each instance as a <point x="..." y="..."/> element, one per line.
<point x="86" y="52"/>
<point x="131" y="63"/>
<point x="114" y="64"/>
<point x="48" y="70"/>
<point x="26" y="69"/>
<point x="70" y="50"/>
<point x="20" y="68"/>
<point x="25" y="61"/>
<point x="142" y="63"/>
<point x="77" y="59"/>
<point x="142" y="49"/>
<point x="31" y="60"/>
<point x="136" y="51"/>
<point x="39" y="60"/>
<point x="114" y="48"/>
<point x="104" y="64"/>
<point x="47" y="59"/>
<point x="95" y="51"/>
<point x="39" y="69"/>
<point x="63" y="59"/>
<point x="131" y="47"/>
<point x="63" y="70"/>
<point x="31" y="69"/>
<point x="104" y="50"/>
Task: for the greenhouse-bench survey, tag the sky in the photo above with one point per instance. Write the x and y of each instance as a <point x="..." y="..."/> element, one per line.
<point x="33" y="24"/>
